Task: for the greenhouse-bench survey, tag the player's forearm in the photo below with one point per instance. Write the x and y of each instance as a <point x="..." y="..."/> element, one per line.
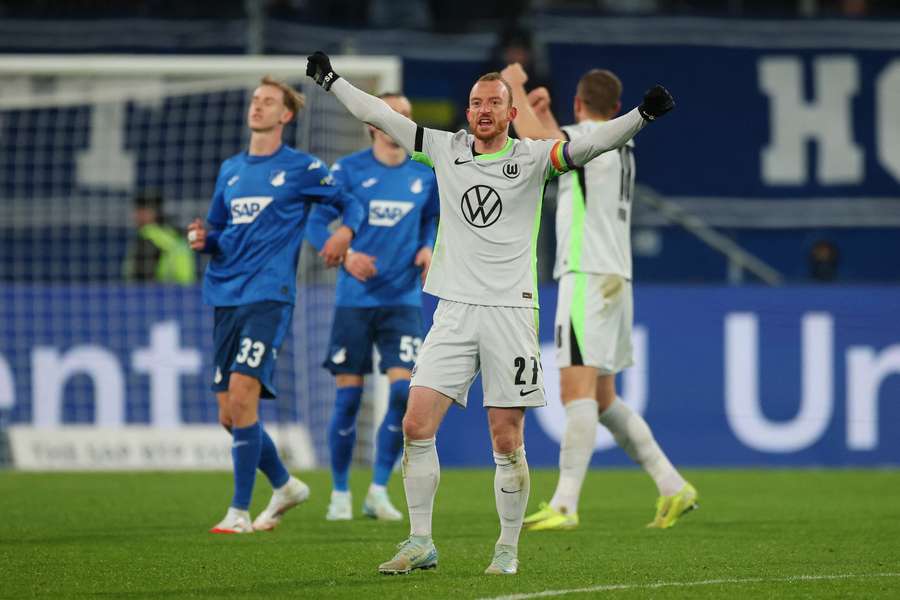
<point x="609" y="135"/>
<point x="352" y="212"/>
<point x="528" y="124"/>
<point x="428" y="234"/>
<point x="211" y="243"/>
<point x="372" y="110"/>
<point x="317" y="226"/>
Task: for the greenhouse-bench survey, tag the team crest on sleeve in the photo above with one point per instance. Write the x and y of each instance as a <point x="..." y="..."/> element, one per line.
<point x="276" y="178"/>
<point x="416" y="187"/>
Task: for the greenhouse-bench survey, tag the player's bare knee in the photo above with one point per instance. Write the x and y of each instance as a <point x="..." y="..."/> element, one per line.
<point x="225" y="421"/>
<point x="506" y="442"/>
<point x="415" y="428"/>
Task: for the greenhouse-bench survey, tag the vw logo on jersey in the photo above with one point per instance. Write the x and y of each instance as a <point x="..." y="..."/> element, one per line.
<point x="276" y="178"/>
<point x="233" y="180"/>
<point x="387" y="213"/>
<point x="511" y="170"/>
<point x="481" y="206"/>
<point x="416" y="187"/>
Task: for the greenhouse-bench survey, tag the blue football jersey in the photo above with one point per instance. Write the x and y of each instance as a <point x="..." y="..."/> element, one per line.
<point x="402" y="207"/>
<point x="256" y="219"/>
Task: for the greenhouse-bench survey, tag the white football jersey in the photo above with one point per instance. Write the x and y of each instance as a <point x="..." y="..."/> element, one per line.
<point x="486" y="248"/>
<point x="593" y="214"/>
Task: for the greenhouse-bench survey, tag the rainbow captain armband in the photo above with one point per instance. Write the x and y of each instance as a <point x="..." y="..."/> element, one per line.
<point x="560" y="159"/>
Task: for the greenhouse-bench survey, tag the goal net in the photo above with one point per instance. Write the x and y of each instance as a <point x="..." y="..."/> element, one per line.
<point x="85" y="342"/>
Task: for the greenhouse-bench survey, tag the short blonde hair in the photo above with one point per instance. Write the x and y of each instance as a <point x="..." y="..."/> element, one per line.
<point x="495" y="76"/>
<point x="293" y="100"/>
<point x="600" y="91"/>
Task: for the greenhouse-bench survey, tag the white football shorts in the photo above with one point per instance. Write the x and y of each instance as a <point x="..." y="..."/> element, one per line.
<point x="594" y="315"/>
<point x="500" y="341"/>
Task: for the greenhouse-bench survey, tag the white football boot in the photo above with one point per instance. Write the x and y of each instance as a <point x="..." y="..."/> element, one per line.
<point x="283" y="499"/>
<point x="340" y="508"/>
<point x="378" y="506"/>
<point x="235" y="521"/>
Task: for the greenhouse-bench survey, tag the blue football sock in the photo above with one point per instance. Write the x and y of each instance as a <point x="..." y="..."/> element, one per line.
<point x="245" y="449"/>
<point x="342" y="434"/>
<point x="389" y="443"/>
<point x="270" y="463"/>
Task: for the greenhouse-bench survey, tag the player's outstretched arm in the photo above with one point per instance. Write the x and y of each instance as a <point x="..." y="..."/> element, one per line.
<point x="613" y="134"/>
<point x="532" y="117"/>
<point x="363" y="106"/>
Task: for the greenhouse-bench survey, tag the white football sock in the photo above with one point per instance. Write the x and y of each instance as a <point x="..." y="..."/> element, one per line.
<point x="575" y="453"/>
<point x="633" y="435"/>
<point x="511" y="486"/>
<point x="421" y="474"/>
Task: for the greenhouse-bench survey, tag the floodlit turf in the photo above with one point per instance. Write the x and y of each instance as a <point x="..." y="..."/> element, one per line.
<point x="103" y="535"/>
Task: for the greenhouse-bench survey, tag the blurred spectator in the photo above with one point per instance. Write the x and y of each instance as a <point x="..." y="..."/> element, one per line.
<point x="159" y="252"/>
<point x="515" y="46"/>
<point x="823" y="261"/>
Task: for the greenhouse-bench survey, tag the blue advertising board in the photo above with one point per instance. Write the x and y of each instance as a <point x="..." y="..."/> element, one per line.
<point x="724" y="376"/>
<point x="735" y="376"/>
<point x="757" y="116"/>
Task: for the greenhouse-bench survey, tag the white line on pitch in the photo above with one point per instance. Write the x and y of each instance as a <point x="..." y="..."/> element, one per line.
<point x="637" y="586"/>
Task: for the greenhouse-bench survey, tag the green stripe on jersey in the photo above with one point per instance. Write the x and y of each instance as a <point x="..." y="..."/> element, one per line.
<point x="535" y="230"/>
<point x="504" y="150"/>
<point x="423" y="158"/>
<point x="577" y="231"/>
<point x="579" y="299"/>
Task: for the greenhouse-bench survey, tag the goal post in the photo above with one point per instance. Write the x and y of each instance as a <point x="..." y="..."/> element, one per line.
<point x="80" y="137"/>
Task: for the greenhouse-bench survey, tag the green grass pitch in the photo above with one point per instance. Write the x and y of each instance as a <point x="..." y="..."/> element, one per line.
<point x="758" y="534"/>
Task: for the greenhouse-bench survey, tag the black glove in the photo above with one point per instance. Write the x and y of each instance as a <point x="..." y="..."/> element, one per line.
<point x="657" y="102"/>
<point x="318" y="66"/>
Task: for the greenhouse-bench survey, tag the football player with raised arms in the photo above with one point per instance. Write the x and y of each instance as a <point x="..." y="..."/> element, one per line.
<point x="483" y="270"/>
<point x="595" y="309"/>
<point x="378" y="301"/>
<point x="254" y="231"/>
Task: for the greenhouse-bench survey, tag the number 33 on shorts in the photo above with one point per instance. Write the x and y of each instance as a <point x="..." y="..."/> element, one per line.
<point x="251" y="353"/>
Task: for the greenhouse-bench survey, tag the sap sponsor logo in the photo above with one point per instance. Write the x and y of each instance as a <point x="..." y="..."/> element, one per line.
<point x="314" y="165"/>
<point x="369" y="182"/>
<point x="416" y="186"/>
<point x="245" y="210"/>
<point x="234" y="179"/>
<point x="277" y="178"/>
<point x="387" y="213"/>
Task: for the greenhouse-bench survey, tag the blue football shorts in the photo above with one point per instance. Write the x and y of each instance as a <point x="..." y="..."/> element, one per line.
<point x="395" y="330"/>
<point x="247" y="339"/>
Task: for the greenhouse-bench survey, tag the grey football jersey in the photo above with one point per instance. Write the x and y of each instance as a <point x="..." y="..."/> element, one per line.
<point x="593" y="215"/>
<point x="486" y="248"/>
